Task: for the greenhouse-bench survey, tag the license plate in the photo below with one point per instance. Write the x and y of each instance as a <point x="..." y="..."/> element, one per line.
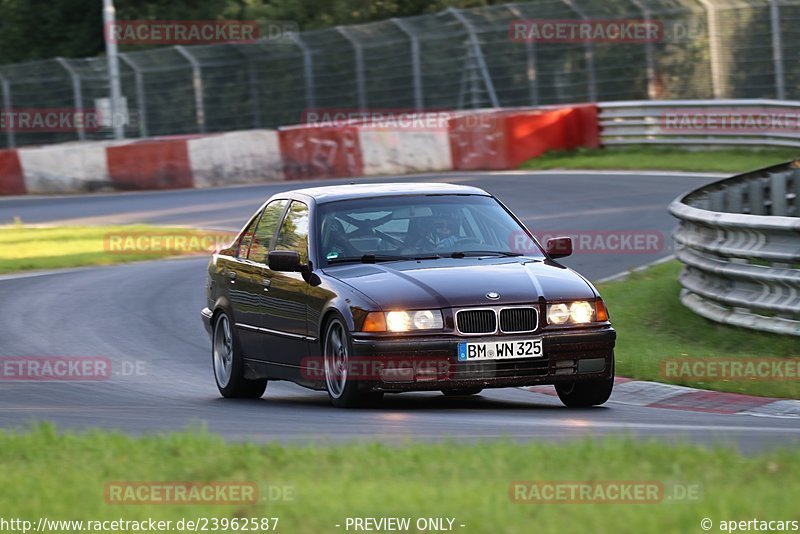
<point x="500" y="350"/>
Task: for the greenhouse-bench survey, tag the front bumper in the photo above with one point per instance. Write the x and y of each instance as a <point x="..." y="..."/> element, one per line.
<point x="207" y="314"/>
<point x="569" y="355"/>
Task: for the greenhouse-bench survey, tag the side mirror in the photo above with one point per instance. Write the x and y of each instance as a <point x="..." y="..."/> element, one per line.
<point x="559" y="247"/>
<point x="285" y="260"/>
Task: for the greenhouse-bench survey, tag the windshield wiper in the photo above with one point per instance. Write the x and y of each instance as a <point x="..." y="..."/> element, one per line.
<point x="375" y="258"/>
<point x="472" y="253"/>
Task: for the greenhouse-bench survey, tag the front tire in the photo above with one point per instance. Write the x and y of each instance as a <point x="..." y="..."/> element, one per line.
<point x="226" y="358"/>
<point x="586" y="393"/>
<point x="343" y="390"/>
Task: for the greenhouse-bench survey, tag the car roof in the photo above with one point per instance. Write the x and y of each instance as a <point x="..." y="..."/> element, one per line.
<point x="333" y="193"/>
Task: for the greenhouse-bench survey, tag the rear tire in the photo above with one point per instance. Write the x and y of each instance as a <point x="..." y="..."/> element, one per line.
<point x="462" y="392"/>
<point x="228" y="365"/>
<point x="584" y="394"/>
<point x="343" y="390"/>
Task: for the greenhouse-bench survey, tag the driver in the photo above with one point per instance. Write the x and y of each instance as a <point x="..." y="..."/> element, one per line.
<point x="444" y="231"/>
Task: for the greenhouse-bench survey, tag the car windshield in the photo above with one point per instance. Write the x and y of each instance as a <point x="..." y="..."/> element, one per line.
<point x="419" y="227"/>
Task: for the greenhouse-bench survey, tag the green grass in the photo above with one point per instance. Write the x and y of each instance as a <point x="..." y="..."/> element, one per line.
<point x="652" y="325"/>
<point x="24" y="248"/>
<point x="63" y="476"/>
<point x="732" y="161"/>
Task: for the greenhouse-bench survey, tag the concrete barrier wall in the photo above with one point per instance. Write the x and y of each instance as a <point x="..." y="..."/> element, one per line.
<point x="481" y="140"/>
<point x="404" y="152"/>
<point x="235" y="158"/>
<point x="65" y="168"/>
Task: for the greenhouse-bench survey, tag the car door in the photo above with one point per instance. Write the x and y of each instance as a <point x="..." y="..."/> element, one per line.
<point x="251" y="300"/>
<point x="285" y="319"/>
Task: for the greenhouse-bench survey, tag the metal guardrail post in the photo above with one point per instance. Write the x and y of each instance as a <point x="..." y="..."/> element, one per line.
<point x="141" y="103"/>
<point x="197" y="83"/>
<point x="777" y="49"/>
<point x="478" y="54"/>
<point x="588" y="46"/>
<point x="531" y="70"/>
<point x="361" y="85"/>
<point x="77" y="96"/>
<point x="416" y="67"/>
<point x="11" y="140"/>
<point x="308" y="70"/>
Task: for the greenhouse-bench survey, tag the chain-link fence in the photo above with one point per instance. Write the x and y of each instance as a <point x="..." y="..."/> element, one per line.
<point x="449" y="60"/>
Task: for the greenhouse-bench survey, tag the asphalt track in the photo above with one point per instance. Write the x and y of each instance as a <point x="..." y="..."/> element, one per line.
<point x="144" y="317"/>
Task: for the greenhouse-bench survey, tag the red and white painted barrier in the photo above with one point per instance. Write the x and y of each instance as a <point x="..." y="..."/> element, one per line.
<point x="491" y="140"/>
<point x="404" y="151"/>
<point x="12" y="179"/>
<point x="248" y="157"/>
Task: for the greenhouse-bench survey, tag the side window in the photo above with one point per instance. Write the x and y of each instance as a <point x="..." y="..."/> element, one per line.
<point x="294" y="232"/>
<point x="247" y="238"/>
<point x="265" y="230"/>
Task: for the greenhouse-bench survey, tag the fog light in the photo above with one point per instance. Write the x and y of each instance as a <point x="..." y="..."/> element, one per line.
<point x="426" y="374"/>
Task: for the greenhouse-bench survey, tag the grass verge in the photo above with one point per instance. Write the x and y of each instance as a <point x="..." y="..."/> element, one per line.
<point x="65" y="477"/>
<point x="732" y="161"/>
<point x="652" y="325"/>
<point x="24" y="248"/>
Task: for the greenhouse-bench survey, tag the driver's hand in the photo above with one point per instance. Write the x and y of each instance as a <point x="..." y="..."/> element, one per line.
<point x="447" y="242"/>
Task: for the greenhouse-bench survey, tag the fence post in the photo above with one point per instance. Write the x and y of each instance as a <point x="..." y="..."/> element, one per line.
<point x="361" y="85"/>
<point x="777" y="49"/>
<point x="530" y="55"/>
<point x="109" y="15"/>
<point x="141" y="104"/>
<point x="713" y="48"/>
<point x="197" y="82"/>
<point x="76" y="94"/>
<point x="10" y="136"/>
<point x="649" y="52"/>
<point x="308" y="70"/>
<point x="478" y="54"/>
<point x="588" y="47"/>
<point x="416" y="70"/>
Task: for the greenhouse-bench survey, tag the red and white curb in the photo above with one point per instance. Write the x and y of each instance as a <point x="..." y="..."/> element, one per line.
<point x="657" y="395"/>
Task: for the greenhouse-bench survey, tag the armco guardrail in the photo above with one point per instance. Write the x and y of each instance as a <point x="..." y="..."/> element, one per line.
<point x="739" y="241"/>
<point x="701" y="122"/>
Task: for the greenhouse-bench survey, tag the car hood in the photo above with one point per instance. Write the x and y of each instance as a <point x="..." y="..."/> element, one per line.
<point x="445" y="283"/>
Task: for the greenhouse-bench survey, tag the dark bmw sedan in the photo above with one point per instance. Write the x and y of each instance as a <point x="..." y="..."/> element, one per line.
<point x="362" y="290"/>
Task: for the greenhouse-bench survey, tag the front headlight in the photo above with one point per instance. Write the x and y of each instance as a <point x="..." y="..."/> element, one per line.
<point x="578" y="312"/>
<point x="403" y="321"/>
